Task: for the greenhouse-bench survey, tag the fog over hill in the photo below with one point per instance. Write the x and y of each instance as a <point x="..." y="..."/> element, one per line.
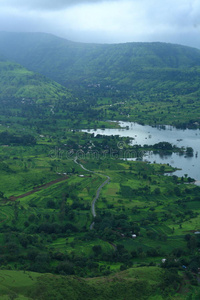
<point x="71" y="63"/>
<point x="154" y="71"/>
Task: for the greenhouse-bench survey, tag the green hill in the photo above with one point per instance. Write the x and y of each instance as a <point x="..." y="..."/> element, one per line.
<point x="151" y="83"/>
<point x="17" y="82"/>
<point x="139" y="283"/>
<point x="45" y="197"/>
<point x="127" y="65"/>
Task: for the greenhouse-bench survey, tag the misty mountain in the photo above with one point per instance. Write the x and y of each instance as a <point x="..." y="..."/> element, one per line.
<point x="67" y="62"/>
<point x="139" y="69"/>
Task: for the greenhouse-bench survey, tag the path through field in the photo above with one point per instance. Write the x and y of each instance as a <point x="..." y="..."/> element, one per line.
<point x="44" y="186"/>
<point x="98" y="191"/>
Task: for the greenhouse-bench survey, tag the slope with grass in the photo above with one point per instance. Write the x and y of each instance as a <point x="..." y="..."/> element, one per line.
<point x="19" y="83"/>
<point x="141" y="283"/>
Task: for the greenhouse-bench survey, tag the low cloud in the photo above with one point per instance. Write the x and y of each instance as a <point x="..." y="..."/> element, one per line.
<point x="106" y="21"/>
<point x="47" y="4"/>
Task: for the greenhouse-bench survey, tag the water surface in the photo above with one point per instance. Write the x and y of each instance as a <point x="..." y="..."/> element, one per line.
<point x="144" y="134"/>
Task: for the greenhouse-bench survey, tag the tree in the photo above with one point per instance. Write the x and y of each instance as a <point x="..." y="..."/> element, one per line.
<point x="192" y="243"/>
<point x="97" y="249"/>
<point x="65" y="267"/>
<point x="177" y="191"/>
<point x="1" y="195"/>
<point x="170" y="280"/>
<point x="189" y="151"/>
<point x="157" y="191"/>
<point x="31" y="218"/>
<point x="23" y="240"/>
<point x="51" y="204"/>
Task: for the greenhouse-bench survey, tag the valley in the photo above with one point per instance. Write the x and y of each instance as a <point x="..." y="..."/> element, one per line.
<point x="76" y="218"/>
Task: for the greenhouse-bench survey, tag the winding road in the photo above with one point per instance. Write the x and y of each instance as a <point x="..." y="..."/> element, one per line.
<point x="98" y="191"/>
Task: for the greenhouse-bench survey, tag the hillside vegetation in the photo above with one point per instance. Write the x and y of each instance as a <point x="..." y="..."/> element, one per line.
<point x="19" y="83"/>
<point x="119" y="81"/>
<point x="131" y="284"/>
<point x="71" y="63"/>
<point x="144" y="241"/>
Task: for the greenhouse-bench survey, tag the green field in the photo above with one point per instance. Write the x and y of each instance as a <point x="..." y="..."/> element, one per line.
<point x="144" y="241"/>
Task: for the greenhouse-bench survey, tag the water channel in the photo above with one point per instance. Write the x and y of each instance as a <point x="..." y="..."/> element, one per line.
<point x="144" y="134"/>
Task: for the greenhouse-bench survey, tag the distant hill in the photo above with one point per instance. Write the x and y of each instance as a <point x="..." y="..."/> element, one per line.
<point x="18" y="82"/>
<point x="150" y="83"/>
<point x="132" y="66"/>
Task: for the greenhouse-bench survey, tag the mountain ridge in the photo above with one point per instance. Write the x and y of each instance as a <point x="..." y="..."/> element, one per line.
<point x="157" y="75"/>
<point x="70" y="62"/>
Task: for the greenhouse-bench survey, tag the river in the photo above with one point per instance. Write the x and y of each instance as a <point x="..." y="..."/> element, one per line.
<point x="144" y="134"/>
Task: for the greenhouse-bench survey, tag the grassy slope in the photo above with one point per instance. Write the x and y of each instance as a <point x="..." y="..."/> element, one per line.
<point x="29" y="285"/>
<point x="139" y="283"/>
<point x="18" y="82"/>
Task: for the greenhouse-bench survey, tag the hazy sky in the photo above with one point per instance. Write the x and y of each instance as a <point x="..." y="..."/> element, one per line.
<point x="106" y="21"/>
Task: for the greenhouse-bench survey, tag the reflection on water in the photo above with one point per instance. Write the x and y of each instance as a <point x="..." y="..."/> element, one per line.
<point x="148" y="135"/>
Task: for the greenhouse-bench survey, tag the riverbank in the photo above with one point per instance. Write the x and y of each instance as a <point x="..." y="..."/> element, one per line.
<point x="145" y="135"/>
